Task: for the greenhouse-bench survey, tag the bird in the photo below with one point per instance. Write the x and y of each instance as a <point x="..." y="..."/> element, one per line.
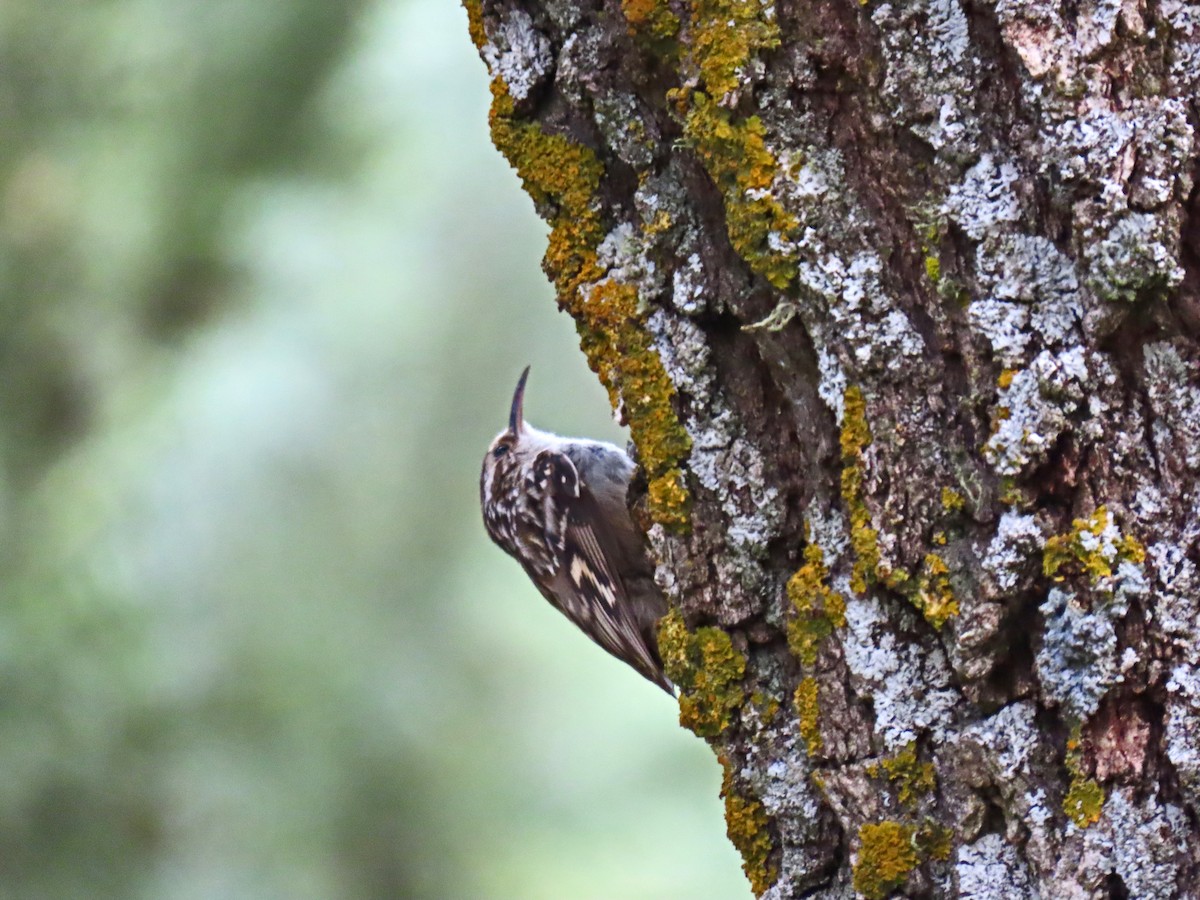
<point x="558" y="506"/>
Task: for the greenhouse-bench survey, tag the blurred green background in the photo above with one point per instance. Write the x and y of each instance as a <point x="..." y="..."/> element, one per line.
<point x="266" y="290"/>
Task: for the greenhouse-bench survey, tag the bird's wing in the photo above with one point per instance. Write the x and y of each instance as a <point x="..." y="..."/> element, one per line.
<point x="588" y="588"/>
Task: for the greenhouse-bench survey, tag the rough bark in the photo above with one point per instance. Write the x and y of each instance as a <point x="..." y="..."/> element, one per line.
<point x="901" y="304"/>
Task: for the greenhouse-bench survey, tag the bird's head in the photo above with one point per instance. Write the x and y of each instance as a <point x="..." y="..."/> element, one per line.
<point x="511" y="449"/>
<point x="504" y="446"/>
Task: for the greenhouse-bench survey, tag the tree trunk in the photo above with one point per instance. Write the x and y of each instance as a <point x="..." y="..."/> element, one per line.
<point x="900" y="304"/>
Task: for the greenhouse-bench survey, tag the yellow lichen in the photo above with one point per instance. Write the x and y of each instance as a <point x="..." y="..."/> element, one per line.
<point x="651" y="19"/>
<point x="725" y="36"/>
<point x="674" y="645"/>
<point x="819" y="609"/>
<point x="646" y="394"/>
<point x="669" y="499"/>
<point x="736" y="157"/>
<point x="952" y="500"/>
<point x="808" y="714"/>
<point x="1085" y="797"/>
<point x="747" y="827"/>
<point x="708" y="671"/>
<point x="1006" y="379"/>
<point x="934" y="596"/>
<point x="856" y="434"/>
<point x="896" y="579"/>
<point x="1084" y="801"/>
<point x="1094" y="556"/>
<point x="474" y="10"/>
<point x="661" y="223"/>
<point x="563" y="177"/>
<point x="911" y="777"/>
<point x="855" y="437"/>
<point x="886" y="855"/>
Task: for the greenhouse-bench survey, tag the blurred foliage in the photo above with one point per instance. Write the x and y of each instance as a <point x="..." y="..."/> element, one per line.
<point x="264" y="287"/>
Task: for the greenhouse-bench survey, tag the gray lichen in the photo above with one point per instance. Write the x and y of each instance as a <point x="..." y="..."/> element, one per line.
<point x="1077" y="661"/>
<point x="1018" y="541"/>
<point x="622" y="255"/>
<point x="1177" y="593"/>
<point x="1183" y="728"/>
<point x="985" y="198"/>
<point x="1176" y="404"/>
<point x="1141" y="840"/>
<point x="929" y="72"/>
<point x="1006" y="751"/>
<point x="989" y="869"/>
<point x="517" y="53"/>
<point x="909" y="685"/>
<point x="1039" y="404"/>
<point x="1136" y="254"/>
<point x="687" y="286"/>
<point x="1031" y="294"/>
<point x="789" y="798"/>
<point x="722" y="460"/>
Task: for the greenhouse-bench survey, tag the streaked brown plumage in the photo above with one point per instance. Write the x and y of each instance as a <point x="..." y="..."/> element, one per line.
<point x="557" y="506"/>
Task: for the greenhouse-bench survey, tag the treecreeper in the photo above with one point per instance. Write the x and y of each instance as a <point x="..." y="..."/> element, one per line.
<point x="557" y="505"/>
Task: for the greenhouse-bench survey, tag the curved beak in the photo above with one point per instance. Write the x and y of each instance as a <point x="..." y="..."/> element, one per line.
<point x="516" y="416"/>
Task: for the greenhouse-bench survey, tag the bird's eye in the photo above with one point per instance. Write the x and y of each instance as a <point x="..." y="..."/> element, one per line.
<point x="500" y="450"/>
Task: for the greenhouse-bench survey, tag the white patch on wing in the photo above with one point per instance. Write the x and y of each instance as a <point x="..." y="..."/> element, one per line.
<point x="581" y="572"/>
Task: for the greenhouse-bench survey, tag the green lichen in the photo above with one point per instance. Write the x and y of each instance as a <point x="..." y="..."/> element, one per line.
<point x="886" y="854"/>
<point x="808" y="714"/>
<point x="651" y="19"/>
<point x="1094" y="556"/>
<point x="910" y="777"/>
<point x="746" y="825"/>
<point x="722" y="39"/>
<point x="1084" y="800"/>
<point x="931" y="228"/>
<point x="953" y="291"/>
<point x="737" y="159"/>
<point x="855" y="437"/>
<point x="934" y="841"/>
<point x="563" y="177"/>
<point x="1085" y="796"/>
<point x="766" y="706"/>
<point x="1010" y="493"/>
<point x="708" y="671"/>
<point x="819" y="609"/>
<point x="725" y="36"/>
<point x="934" y="596"/>
<point x="952" y="500"/>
